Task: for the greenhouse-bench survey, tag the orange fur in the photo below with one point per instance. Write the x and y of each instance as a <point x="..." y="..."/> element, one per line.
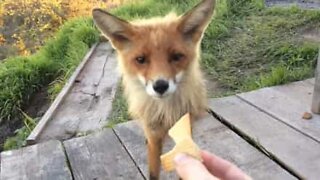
<point x="191" y="94"/>
<point x="157" y="39"/>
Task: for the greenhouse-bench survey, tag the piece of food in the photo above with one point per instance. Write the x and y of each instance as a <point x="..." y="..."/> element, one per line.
<point x="307" y="115"/>
<point x="181" y="134"/>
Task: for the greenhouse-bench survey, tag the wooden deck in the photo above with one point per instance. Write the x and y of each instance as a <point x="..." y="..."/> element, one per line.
<point x="262" y="132"/>
<point x="85" y="101"/>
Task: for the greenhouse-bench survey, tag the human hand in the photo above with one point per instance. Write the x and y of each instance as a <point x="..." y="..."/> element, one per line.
<point x="212" y="168"/>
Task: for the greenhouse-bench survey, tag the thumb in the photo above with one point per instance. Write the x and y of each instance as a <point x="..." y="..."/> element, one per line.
<point x="189" y="168"/>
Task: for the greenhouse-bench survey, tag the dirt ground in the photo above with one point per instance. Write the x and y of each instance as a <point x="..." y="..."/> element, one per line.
<point x="36" y="109"/>
<point x="309" y="4"/>
<point x="311" y="34"/>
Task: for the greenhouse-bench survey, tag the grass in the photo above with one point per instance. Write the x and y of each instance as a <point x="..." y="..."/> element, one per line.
<point x="247" y="46"/>
<point x="262" y="48"/>
<point x="21" y="77"/>
<point x="119" y="112"/>
<point x="21" y="134"/>
<point x="75" y="37"/>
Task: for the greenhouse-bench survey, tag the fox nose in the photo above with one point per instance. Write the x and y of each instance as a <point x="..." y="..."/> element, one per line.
<point x="160" y="86"/>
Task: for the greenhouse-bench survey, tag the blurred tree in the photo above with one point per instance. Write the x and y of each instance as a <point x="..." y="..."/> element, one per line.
<point x="26" y="24"/>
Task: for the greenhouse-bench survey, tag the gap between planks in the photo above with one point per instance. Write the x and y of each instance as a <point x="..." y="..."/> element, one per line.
<point x="67" y="160"/>
<point x="288" y="145"/>
<point x="128" y="153"/>
<point x="42" y="161"/>
<point x="277" y="118"/>
<point x="100" y="156"/>
<point x="287" y="103"/>
<point x="255" y="144"/>
<point x="212" y="135"/>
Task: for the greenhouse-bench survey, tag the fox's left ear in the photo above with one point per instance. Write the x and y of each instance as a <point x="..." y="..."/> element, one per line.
<point x="193" y="23"/>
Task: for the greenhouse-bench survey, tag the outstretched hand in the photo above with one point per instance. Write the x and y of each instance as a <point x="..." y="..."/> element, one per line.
<point x="212" y="168"/>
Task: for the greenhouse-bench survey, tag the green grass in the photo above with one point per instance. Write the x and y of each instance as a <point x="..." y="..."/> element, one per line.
<point x="71" y="44"/>
<point x="21" y="134"/>
<point x="247" y="46"/>
<point x="119" y="112"/>
<point x="262" y="48"/>
<point x="21" y="77"/>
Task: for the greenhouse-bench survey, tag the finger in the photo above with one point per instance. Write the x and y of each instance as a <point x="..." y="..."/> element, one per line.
<point x="221" y="168"/>
<point x="189" y="168"/>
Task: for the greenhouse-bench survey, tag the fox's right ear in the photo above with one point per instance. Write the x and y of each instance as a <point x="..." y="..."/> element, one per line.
<point x="118" y="31"/>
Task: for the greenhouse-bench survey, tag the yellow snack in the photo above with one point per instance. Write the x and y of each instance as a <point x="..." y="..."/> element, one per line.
<point x="181" y="134"/>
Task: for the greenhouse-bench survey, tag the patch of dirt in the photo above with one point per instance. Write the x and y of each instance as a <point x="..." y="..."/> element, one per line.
<point x="39" y="104"/>
<point x="307" y="4"/>
<point x="311" y="34"/>
<point x="7" y="130"/>
<point x="37" y="107"/>
<point x="213" y="87"/>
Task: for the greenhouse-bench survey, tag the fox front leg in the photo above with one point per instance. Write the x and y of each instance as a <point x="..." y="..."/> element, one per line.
<point x="154" y="145"/>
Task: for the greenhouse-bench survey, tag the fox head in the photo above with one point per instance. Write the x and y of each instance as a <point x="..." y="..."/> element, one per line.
<point x="157" y="52"/>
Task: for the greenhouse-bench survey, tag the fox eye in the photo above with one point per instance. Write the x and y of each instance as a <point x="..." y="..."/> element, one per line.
<point x="176" y="57"/>
<point x="141" y="59"/>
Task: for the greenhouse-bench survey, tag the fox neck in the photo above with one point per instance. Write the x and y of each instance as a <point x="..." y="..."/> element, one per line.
<point x="161" y="114"/>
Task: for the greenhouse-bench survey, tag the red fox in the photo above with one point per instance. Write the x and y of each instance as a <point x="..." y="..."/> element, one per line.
<point x="159" y="62"/>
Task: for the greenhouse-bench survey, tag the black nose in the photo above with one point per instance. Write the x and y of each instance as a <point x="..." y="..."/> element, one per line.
<point x="160" y="86"/>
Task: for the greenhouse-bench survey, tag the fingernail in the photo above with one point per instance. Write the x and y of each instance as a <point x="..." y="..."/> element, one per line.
<point x="180" y="158"/>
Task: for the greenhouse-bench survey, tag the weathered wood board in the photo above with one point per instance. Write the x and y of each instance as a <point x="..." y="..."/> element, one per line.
<point x="55" y="104"/>
<point x="45" y="161"/>
<point x="297" y="151"/>
<point x="316" y="90"/>
<point x="300" y="91"/>
<point x="89" y="102"/>
<point x="132" y="138"/>
<point x="287" y="107"/>
<point x="213" y="136"/>
<point x="100" y="156"/>
<point x="311" y="81"/>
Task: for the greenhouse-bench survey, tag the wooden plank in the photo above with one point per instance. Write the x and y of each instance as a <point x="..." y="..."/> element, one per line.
<point x="311" y="81"/>
<point x="286" y="108"/>
<point x="297" y="151"/>
<point x="131" y="136"/>
<point x="213" y="136"/>
<point x="88" y="104"/>
<point x="100" y="156"/>
<point x="315" y="107"/>
<point x="47" y="116"/>
<point x="300" y="91"/>
<point x="44" y="161"/>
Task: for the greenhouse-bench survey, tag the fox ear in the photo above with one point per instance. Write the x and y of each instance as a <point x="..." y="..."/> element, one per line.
<point x="193" y="23"/>
<point x="118" y="31"/>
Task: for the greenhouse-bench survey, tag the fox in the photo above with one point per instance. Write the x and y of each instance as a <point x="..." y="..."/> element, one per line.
<point x="159" y="61"/>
